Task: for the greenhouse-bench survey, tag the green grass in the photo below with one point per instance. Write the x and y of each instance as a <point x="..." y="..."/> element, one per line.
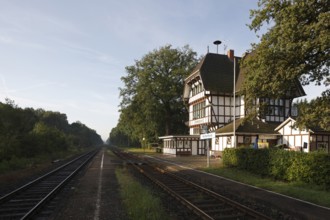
<point x="303" y="191"/>
<point x="141" y="150"/>
<point x="138" y="200"/>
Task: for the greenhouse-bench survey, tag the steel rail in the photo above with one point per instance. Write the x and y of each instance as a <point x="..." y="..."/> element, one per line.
<point x="188" y="204"/>
<point x="52" y="191"/>
<point x="217" y="196"/>
<point x="9" y="195"/>
<point x="57" y="188"/>
<point x="244" y="210"/>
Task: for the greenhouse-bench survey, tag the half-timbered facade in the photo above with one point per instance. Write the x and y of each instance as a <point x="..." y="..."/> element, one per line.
<point x="306" y="140"/>
<point x="208" y="93"/>
<point x="212" y="102"/>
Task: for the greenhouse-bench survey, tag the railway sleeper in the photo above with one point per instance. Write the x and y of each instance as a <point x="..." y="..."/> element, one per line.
<point x="220" y="210"/>
<point x="211" y="201"/>
<point x="12" y="216"/>
<point x="201" y="199"/>
<point x="37" y="193"/>
<point x="26" y="200"/>
<point x="14" y="209"/>
<point x="235" y="216"/>
<point x="185" y="191"/>
<point x="214" y="206"/>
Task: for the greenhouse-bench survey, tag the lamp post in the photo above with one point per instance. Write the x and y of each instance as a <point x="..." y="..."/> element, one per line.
<point x="234" y="114"/>
<point x="217" y="42"/>
<point x="143" y="145"/>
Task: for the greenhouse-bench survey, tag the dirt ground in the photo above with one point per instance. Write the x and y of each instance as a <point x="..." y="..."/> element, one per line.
<point x="96" y="194"/>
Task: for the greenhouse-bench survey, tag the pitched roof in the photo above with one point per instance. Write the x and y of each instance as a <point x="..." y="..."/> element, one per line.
<point x="292" y="119"/>
<point x="216" y="71"/>
<point x="217" y="75"/>
<point x="254" y="126"/>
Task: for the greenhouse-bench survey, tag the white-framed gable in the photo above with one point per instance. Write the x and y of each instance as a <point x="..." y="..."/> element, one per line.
<point x="293" y="137"/>
<point x="287" y="127"/>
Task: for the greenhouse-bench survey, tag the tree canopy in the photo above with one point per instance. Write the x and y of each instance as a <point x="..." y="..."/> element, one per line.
<point x="152" y="102"/>
<point x="27" y="133"/>
<point x="296" y="46"/>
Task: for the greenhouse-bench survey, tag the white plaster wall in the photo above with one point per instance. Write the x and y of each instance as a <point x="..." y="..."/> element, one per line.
<point x="194" y="148"/>
<point x="285" y="140"/>
<point x="195" y="97"/>
<point x="169" y="150"/>
<point x="221" y="100"/>
<point x="291" y="141"/>
<point x="221" y="143"/>
<point x="281" y="131"/>
<point x="295" y="131"/>
<point x="287" y="129"/>
<point x="298" y="142"/>
<point x="240" y="140"/>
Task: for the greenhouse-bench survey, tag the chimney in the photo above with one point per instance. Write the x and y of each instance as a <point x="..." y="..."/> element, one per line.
<point x="230" y="54"/>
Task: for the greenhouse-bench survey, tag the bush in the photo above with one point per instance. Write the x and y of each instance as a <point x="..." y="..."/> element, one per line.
<point x="15" y="164"/>
<point x="282" y="165"/>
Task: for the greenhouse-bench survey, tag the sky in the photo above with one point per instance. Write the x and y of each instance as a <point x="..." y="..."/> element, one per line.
<point x="68" y="55"/>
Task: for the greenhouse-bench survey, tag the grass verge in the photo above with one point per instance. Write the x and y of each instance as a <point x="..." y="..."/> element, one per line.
<point x="137" y="150"/>
<point x="138" y="200"/>
<point x="306" y="192"/>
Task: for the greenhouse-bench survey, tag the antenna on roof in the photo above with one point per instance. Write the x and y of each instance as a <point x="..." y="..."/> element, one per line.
<point x="217" y="42"/>
<point x="224" y="48"/>
<point x="208" y="49"/>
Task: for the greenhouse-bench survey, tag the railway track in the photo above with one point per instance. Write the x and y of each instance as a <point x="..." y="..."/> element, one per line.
<point x="31" y="199"/>
<point x="205" y="203"/>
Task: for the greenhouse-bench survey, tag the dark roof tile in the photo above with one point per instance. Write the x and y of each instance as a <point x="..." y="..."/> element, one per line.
<point x="216" y="71"/>
<point x="254" y="126"/>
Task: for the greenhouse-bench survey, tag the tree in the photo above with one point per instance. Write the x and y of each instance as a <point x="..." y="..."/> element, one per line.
<point x="152" y="102"/>
<point x="296" y="46"/>
<point x="316" y="113"/>
<point x="28" y="133"/>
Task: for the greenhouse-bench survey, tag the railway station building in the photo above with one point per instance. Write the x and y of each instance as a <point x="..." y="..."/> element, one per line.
<point x="213" y="104"/>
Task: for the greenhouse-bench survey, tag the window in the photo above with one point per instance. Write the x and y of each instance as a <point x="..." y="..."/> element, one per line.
<point x="197" y="89"/>
<point x="322" y="146"/>
<point x="272" y="107"/>
<point x="199" y="110"/>
<point x="247" y="140"/>
<point x="196" y="131"/>
<point x="228" y="140"/>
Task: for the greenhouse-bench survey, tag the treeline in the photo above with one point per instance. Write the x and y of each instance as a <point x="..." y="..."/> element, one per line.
<point x="29" y="133"/>
<point x="152" y="103"/>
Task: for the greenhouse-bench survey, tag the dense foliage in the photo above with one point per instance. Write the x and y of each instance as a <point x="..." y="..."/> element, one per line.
<point x="295" y="46"/>
<point x="28" y="133"/>
<point x="315" y="113"/>
<point x="152" y="102"/>
<point x="282" y="165"/>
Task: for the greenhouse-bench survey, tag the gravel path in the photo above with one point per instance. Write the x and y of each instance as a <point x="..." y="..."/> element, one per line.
<point x="96" y="194"/>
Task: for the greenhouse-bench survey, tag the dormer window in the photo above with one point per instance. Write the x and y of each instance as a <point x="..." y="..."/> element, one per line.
<point x="197" y="88"/>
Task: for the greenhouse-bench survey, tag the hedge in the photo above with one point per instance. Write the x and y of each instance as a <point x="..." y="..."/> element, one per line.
<point x="311" y="167"/>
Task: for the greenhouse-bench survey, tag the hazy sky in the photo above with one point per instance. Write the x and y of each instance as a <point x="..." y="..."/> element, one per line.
<point x="69" y="55"/>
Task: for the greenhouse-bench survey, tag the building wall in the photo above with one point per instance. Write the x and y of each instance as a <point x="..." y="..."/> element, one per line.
<point x="320" y="142"/>
<point x="277" y="110"/>
<point x="222" y="142"/>
<point x="217" y="110"/>
<point x="179" y="145"/>
<point x="294" y="138"/>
